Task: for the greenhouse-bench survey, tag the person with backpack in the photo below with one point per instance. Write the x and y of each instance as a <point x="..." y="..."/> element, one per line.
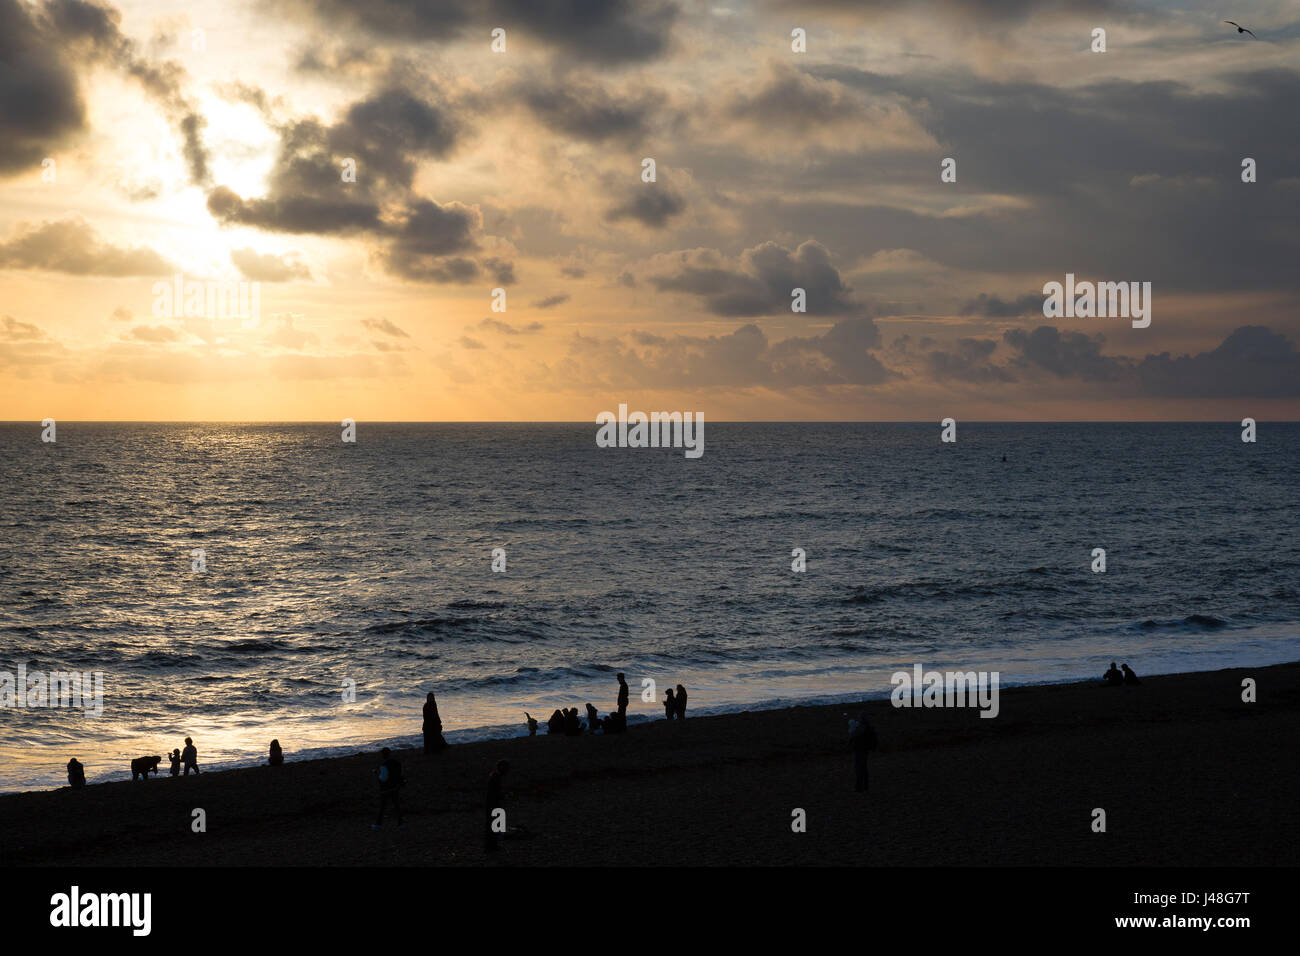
<point x="862" y="737"/>
<point x="391" y="782"/>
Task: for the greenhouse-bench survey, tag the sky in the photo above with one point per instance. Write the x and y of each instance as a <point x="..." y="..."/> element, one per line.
<point x="441" y="209"/>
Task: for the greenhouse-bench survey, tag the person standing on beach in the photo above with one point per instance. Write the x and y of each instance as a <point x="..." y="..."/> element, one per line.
<point x="681" y="702"/>
<point x="391" y="782"/>
<point x="175" y="758"/>
<point x="670" y="705"/>
<point x="76" y="774"/>
<point x="862" y="736"/>
<point x="190" y="757"/>
<point x="433" y="739"/>
<point x="622" y="696"/>
<point x="276" y="756"/>
<point x="492" y="804"/>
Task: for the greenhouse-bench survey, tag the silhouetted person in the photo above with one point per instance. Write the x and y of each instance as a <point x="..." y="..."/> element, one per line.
<point x="493" y="803"/>
<point x="862" y="736"/>
<point x="670" y="705"/>
<point x="77" y="774"/>
<point x="1114" y="677"/>
<point x="572" y="725"/>
<point x="622" y="696"/>
<point x="190" y="757"/>
<point x="532" y="724"/>
<point x="1129" y="676"/>
<point x="556" y="724"/>
<point x="175" y="758"/>
<point x="615" y="723"/>
<point x="681" y="702"/>
<point x="141" y="767"/>
<point x="593" y="718"/>
<point x="391" y="782"/>
<point x="433" y="739"/>
<point x="276" y="759"/>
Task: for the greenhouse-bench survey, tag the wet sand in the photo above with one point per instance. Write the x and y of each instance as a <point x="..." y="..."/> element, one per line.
<point x="1187" y="773"/>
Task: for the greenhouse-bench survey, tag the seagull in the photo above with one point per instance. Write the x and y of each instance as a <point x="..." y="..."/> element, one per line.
<point x="1240" y="28"/>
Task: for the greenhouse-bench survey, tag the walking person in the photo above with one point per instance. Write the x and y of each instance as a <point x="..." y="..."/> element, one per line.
<point x="391" y="782"/>
<point x="862" y="736"/>
<point x="190" y="757"/>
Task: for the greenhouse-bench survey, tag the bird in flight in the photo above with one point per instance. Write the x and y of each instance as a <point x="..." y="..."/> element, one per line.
<point x="1240" y="28"/>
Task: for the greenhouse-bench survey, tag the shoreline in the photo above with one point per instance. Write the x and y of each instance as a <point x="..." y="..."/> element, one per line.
<point x="1187" y="772"/>
<point x="491" y="733"/>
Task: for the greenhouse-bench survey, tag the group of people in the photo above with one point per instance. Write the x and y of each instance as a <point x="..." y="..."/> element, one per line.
<point x="1115" y="678"/>
<point x="566" y="720"/>
<point x="182" y="762"/>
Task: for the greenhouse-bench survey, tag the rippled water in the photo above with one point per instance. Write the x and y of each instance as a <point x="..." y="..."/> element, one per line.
<point x="370" y="562"/>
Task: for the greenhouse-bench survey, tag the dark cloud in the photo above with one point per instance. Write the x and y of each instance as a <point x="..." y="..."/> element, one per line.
<point x="584" y="110"/>
<point x="551" y="301"/>
<point x="267" y="267"/>
<point x="1064" y="354"/>
<point x="1252" y="362"/>
<point x="605" y="32"/>
<point x="650" y="204"/>
<point x="968" y="360"/>
<point x="741" y="359"/>
<point x="762" y="281"/>
<point x="40" y="104"/>
<point x="72" y="246"/>
<point x="991" y="306"/>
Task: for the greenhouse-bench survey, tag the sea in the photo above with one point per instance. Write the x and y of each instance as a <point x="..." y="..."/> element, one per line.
<point x="340" y="582"/>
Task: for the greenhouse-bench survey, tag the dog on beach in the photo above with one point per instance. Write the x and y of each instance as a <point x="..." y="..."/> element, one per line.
<point x="141" y="767"/>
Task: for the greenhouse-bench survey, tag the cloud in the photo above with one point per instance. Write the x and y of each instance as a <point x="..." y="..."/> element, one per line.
<point x="551" y="301"/>
<point x="155" y="334"/>
<point x="584" y="110"/>
<point x="744" y="358"/>
<point x="40" y="104"/>
<point x="650" y="204"/>
<point x="991" y="306"/>
<point x="607" y="32"/>
<point x="12" y="330"/>
<point x="761" y="282"/>
<point x="385" y="327"/>
<point x="1064" y="354"/>
<point x="1252" y="362"/>
<point x="72" y="246"/>
<point x="507" y="329"/>
<point x="469" y="343"/>
<point x="268" y="267"/>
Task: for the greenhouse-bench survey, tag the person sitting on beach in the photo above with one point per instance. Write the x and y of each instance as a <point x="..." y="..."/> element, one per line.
<point x="681" y="702"/>
<point x="141" y="767"/>
<point x="433" y="739"/>
<point x="532" y="724"/>
<point x="175" y="758"/>
<point x="593" y="718"/>
<point x="391" y="781"/>
<point x="1113" y="677"/>
<point x="492" y="804"/>
<point x="276" y="759"/>
<point x="670" y="705"/>
<point x="190" y="757"/>
<point x="1129" y="676"/>
<point x="572" y="724"/>
<point x="556" y="724"/>
<point x="76" y="774"/>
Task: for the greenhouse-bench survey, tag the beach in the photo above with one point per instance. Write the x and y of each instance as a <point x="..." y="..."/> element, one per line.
<point x="1188" y="775"/>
